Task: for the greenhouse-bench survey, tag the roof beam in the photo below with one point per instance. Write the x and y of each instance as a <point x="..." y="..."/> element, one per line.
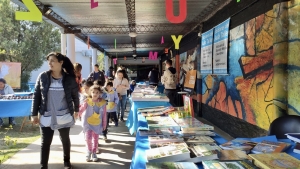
<point x="138" y="45"/>
<point x="124" y="29"/>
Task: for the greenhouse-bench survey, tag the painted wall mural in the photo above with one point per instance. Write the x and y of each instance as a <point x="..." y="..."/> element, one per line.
<point x="255" y="89"/>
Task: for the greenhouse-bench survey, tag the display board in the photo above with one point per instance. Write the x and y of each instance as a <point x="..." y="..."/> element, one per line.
<point x="11" y="72"/>
<point x="206" y="52"/>
<point x="220" y="51"/>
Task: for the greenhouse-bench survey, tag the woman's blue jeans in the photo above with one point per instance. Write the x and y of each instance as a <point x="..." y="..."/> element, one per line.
<point x="121" y="106"/>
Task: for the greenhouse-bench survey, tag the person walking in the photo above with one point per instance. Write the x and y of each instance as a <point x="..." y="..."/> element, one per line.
<point x="110" y="73"/>
<point x="153" y="77"/>
<point x="93" y="113"/>
<point x="121" y="85"/>
<point x="169" y="80"/>
<point x="6" y="89"/>
<point x="55" y="101"/>
<point x="97" y="75"/>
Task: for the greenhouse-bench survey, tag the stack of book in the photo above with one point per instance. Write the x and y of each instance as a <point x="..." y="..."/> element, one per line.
<point x="296" y="138"/>
<point x="162" y="122"/>
<point x="170" y="165"/>
<point x="150" y="97"/>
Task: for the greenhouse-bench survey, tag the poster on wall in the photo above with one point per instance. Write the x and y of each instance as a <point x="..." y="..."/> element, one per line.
<point x="11" y="72"/>
<point x="190" y="79"/>
<point x="206" y="52"/>
<point x="220" y="52"/>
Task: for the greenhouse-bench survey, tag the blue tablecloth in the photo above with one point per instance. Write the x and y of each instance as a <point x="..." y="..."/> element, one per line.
<point x="132" y="120"/>
<point x="139" y="158"/>
<point x="15" y="108"/>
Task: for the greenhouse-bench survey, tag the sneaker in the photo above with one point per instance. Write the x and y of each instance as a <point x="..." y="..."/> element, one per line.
<point x="67" y="165"/>
<point x="13" y="123"/>
<point x="105" y="137"/>
<point x="98" y="151"/>
<point x="94" y="157"/>
<point x="116" y="124"/>
<point x="88" y="157"/>
<point x="122" y="120"/>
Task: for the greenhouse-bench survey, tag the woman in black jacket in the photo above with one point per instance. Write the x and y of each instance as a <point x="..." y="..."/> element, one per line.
<point x="55" y="101"/>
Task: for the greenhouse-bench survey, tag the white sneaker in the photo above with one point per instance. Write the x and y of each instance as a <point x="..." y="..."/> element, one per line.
<point x="94" y="157"/>
<point x="88" y="157"/>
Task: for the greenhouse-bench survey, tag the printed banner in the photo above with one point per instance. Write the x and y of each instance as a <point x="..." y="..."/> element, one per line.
<point x="220" y="54"/>
<point x="190" y="79"/>
<point x="206" y="52"/>
<point x="11" y="72"/>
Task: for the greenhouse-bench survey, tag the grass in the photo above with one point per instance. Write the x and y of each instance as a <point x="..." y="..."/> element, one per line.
<point x="12" y="140"/>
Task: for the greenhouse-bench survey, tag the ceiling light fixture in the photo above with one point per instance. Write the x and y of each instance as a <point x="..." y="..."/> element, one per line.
<point x="134" y="55"/>
<point x="132" y="34"/>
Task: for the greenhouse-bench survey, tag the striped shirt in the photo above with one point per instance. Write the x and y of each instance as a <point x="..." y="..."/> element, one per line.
<point x="57" y="115"/>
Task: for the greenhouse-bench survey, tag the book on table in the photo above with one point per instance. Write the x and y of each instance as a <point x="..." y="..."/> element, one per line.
<point x="171" y="165"/>
<point x="155" y="132"/>
<point x="197" y="133"/>
<point x="275" y="161"/>
<point x="294" y="137"/>
<point x="232" y="155"/>
<point x="201" y="152"/>
<point x="215" y="164"/>
<point x="162" y="122"/>
<point x="156" y="112"/>
<point x="164" y="138"/>
<point x="297" y="148"/>
<point x="169" y="153"/>
<point x="199" y="139"/>
<point x="198" y="127"/>
<point x="269" y="147"/>
<point x="238" y="144"/>
<point x="157" y="145"/>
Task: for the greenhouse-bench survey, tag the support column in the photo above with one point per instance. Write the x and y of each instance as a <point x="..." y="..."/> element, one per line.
<point x="63" y="42"/>
<point x="177" y="58"/>
<point x="106" y="63"/>
<point x="94" y="57"/>
<point x="71" y="47"/>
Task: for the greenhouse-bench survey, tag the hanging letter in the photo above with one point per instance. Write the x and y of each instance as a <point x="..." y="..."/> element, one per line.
<point x="152" y="56"/>
<point x="94" y="4"/>
<point x="170" y="11"/>
<point x="34" y="13"/>
<point x="176" y="40"/>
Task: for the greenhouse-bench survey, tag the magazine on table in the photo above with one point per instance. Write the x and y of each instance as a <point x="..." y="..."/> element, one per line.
<point x="171" y="165"/>
<point x="201" y="152"/>
<point x="170" y="153"/>
<point x="215" y="164"/>
<point x="270" y="147"/>
<point x="199" y="139"/>
<point x="150" y="132"/>
<point x="164" y="138"/>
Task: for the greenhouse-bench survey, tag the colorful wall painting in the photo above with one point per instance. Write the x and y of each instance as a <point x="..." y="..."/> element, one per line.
<point x="255" y="89"/>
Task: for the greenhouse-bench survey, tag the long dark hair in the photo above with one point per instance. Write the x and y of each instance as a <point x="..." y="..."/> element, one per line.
<point x="67" y="64"/>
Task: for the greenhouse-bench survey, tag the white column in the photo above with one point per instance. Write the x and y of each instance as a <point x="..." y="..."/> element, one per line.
<point x="63" y="39"/>
<point x="71" y="47"/>
<point x="106" y="63"/>
<point x="94" y="57"/>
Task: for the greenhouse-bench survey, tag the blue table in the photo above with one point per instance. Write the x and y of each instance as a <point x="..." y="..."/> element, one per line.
<point x="139" y="158"/>
<point x="15" y="108"/>
<point x="132" y="120"/>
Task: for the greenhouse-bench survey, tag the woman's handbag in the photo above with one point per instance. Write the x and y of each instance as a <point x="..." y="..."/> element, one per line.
<point x="119" y="95"/>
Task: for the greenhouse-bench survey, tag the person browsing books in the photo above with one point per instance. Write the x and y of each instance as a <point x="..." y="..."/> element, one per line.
<point x="169" y="80"/>
<point x="6" y="89"/>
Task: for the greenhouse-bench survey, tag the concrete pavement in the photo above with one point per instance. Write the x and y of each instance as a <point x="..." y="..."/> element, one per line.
<point x="116" y="152"/>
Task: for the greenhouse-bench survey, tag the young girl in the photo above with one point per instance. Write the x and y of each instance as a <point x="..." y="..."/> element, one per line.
<point x="93" y="121"/>
<point x="132" y="86"/>
<point x="111" y="107"/>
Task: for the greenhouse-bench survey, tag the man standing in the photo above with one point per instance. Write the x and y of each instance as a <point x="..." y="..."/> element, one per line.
<point x="110" y="73"/>
<point x="169" y="80"/>
<point x="153" y="77"/>
<point x="97" y="75"/>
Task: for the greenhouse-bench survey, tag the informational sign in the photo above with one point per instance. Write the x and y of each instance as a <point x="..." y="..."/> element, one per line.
<point x="11" y="72"/>
<point x="220" y="52"/>
<point x="190" y="79"/>
<point x="206" y="52"/>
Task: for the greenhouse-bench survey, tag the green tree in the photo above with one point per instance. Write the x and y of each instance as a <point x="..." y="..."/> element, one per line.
<point x="101" y="62"/>
<point x="24" y="41"/>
